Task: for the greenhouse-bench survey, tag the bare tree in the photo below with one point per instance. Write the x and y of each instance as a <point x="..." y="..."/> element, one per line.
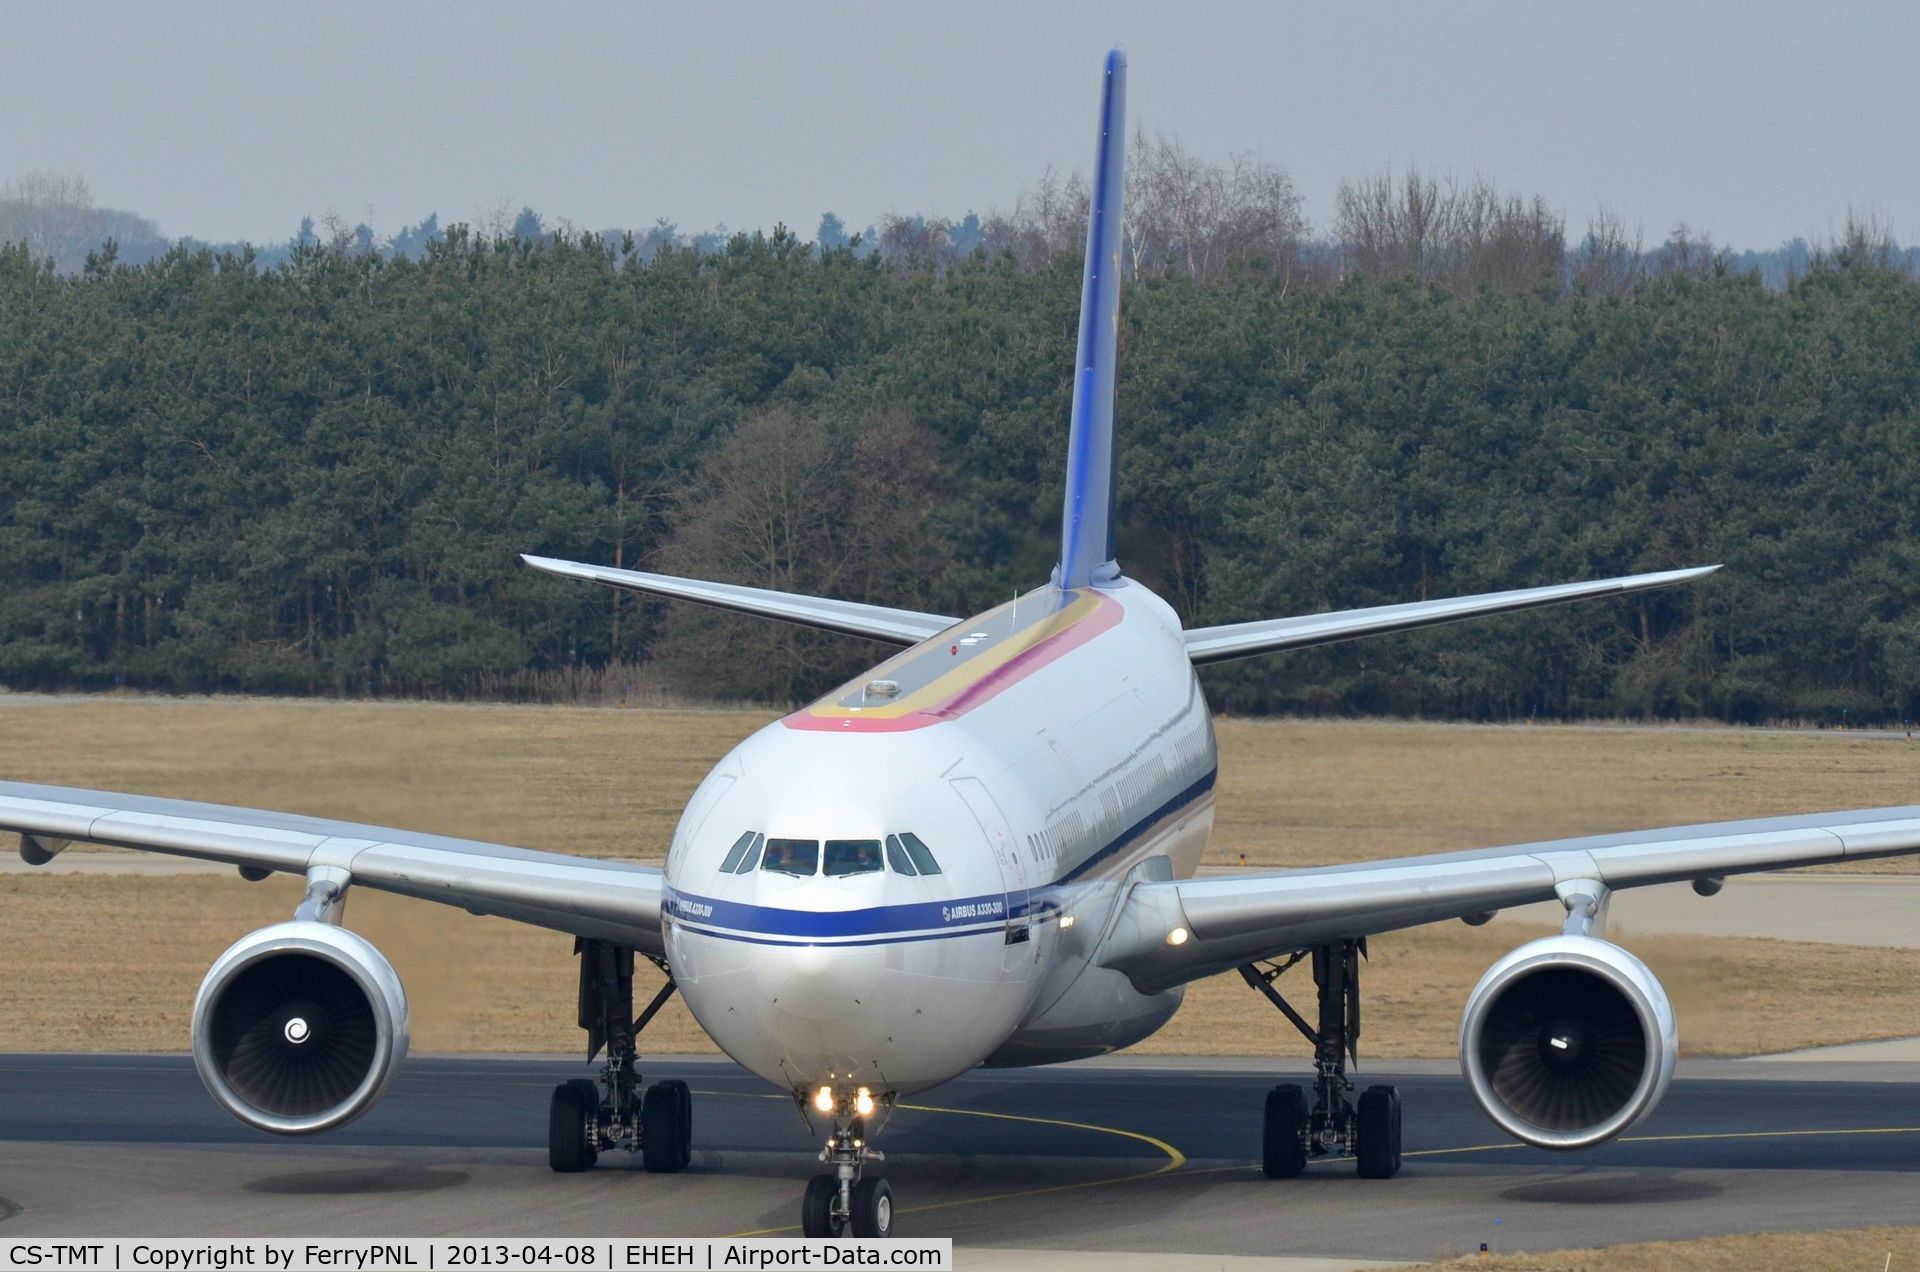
<point x="1868" y="241"/>
<point x="793" y="502"/>
<point x="1607" y="262"/>
<point x="51" y="212"/>
<point x="1388" y="228"/>
<point x="1687" y="253"/>
<point x="905" y="240"/>
<point x="1432" y="227"/>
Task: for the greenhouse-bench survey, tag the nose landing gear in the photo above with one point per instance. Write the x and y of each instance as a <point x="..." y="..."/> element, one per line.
<point x="1330" y="1123"/>
<point x="840" y="1202"/>
<point x="586" y="1117"/>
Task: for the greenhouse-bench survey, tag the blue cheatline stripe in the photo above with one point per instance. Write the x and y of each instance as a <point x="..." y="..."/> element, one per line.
<point x="997" y="931"/>
<point x="1132" y="834"/>
<point x="896" y="924"/>
<point x="767" y="920"/>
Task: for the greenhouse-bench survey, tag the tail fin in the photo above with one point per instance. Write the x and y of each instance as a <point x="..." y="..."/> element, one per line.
<point x="1086" y="523"/>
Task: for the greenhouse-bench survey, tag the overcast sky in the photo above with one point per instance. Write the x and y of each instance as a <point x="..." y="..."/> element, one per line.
<point x="1753" y="121"/>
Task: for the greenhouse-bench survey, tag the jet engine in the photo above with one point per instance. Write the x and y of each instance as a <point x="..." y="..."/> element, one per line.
<point x="1568" y="1041"/>
<point x="299" y="1027"/>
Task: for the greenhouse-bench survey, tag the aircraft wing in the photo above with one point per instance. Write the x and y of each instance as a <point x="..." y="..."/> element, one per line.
<point x="606" y="900"/>
<point x="1241" y="640"/>
<point x="851" y="618"/>
<point x="1231" y="920"/>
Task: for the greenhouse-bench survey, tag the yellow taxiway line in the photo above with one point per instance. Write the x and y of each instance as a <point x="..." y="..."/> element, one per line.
<point x="1176" y="1159"/>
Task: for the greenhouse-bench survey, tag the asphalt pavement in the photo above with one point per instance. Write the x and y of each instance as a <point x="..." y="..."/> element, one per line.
<point x="1121" y="1155"/>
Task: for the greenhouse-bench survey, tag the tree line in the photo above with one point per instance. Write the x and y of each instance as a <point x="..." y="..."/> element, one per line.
<point x="316" y="477"/>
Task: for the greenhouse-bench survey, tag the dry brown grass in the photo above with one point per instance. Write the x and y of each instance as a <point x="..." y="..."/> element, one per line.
<point x="1733" y="996"/>
<point x="104" y="962"/>
<point x="111" y="963"/>
<point x="611" y="782"/>
<point x="1858" y="1250"/>
<point x="600" y="781"/>
<point x="1314" y="792"/>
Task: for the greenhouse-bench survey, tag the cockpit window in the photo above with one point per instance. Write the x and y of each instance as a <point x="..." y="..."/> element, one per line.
<point x="752" y="859"/>
<point x="852" y="857"/>
<point x="897" y="857"/>
<point x="737" y="853"/>
<point x="922" y="859"/>
<point x="792" y="856"/>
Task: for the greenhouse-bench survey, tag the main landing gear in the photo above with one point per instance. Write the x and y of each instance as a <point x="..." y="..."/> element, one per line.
<point x="840" y="1203"/>
<point x="587" y="1117"/>
<point x="1329" y="1122"/>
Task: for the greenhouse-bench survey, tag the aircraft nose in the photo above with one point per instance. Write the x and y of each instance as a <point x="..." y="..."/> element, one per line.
<point x="819" y="983"/>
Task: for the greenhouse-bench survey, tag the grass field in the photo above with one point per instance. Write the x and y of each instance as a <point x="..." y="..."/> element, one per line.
<point x="1857" y="1250"/>
<point x="112" y="962"/>
<point x="611" y="782"/>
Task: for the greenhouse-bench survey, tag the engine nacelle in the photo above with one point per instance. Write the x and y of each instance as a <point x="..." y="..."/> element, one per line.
<point x="1568" y="1041"/>
<point x="299" y="1027"/>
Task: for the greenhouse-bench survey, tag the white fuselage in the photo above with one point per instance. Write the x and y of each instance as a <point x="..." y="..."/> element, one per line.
<point x="1040" y="753"/>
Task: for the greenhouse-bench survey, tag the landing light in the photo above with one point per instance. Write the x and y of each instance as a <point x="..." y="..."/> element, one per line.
<point x="863" y="1102"/>
<point x="1066" y="921"/>
<point x="1177" y="937"/>
<point x="823" y="1099"/>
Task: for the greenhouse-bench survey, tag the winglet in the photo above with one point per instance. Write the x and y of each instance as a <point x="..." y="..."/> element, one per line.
<point x="1086" y="522"/>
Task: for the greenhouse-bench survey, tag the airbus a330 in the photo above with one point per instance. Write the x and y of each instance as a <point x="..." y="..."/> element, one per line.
<point x="980" y="852"/>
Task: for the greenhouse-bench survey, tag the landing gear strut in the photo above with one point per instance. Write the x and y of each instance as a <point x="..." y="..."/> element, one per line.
<point x="1329" y="1122"/>
<point x="840" y="1203"/>
<point x="587" y="1117"/>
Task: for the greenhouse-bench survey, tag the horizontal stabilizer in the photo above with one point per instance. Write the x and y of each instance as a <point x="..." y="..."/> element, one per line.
<point x="1240" y="640"/>
<point x="877" y="622"/>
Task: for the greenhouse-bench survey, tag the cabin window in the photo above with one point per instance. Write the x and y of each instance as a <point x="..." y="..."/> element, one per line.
<point x="922" y="859"/>
<point x="731" y="864"/>
<point x="897" y="857"/>
<point x="852" y="857"/>
<point x="792" y="856"/>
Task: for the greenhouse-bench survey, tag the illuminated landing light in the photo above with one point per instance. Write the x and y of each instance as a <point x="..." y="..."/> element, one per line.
<point x="1177" y="937"/>
<point x="1066" y="921"/>
<point x="863" y="1102"/>
<point x="823" y="1099"/>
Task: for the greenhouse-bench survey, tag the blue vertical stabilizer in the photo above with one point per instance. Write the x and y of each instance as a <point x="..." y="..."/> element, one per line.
<point x="1086" y="523"/>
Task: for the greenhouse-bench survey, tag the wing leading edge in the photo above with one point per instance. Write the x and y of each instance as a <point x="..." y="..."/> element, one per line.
<point x="1241" y="640"/>
<point x="850" y="618"/>
<point x="605" y="900"/>
<point x="1232" y="920"/>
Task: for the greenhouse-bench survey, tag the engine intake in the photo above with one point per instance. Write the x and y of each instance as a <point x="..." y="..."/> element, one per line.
<point x="1568" y="1041"/>
<point x="299" y="1027"/>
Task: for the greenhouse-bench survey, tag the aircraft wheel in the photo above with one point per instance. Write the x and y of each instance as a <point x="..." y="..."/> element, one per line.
<point x="574" y="1105"/>
<point x="685" y="1098"/>
<point x="872" y="1208"/>
<point x="816" y="1208"/>
<point x="663" y="1116"/>
<point x="1282" y="1155"/>
<point x="1376" y="1149"/>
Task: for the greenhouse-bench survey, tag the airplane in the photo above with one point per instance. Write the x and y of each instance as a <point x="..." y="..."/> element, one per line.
<point x="981" y="852"/>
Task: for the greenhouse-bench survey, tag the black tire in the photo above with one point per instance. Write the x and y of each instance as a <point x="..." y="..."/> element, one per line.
<point x="1282" y="1155"/>
<point x="1376" y="1148"/>
<point x="816" y="1208"/>
<point x="661" y="1117"/>
<point x="573" y="1104"/>
<point x="872" y="1208"/>
<point x="685" y="1098"/>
